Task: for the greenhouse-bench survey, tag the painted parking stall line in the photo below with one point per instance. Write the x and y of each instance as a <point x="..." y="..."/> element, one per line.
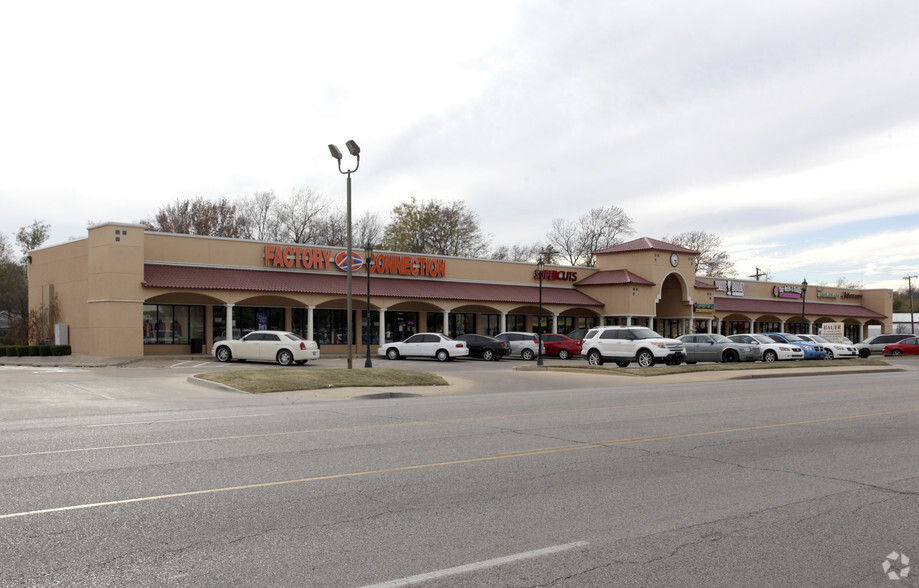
<point x="481" y="565"/>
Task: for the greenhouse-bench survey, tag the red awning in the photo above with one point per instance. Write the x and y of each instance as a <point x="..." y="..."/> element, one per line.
<point x="290" y="282"/>
<point x="753" y="306"/>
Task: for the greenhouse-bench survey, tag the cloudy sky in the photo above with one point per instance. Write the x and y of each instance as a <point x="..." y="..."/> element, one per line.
<point x="790" y="129"/>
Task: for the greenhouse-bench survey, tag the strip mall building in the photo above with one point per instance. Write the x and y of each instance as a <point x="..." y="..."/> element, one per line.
<point x="125" y="292"/>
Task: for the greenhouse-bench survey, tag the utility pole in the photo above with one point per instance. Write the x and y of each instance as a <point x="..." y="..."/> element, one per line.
<point x="757" y="275"/>
<point x="909" y="287"/>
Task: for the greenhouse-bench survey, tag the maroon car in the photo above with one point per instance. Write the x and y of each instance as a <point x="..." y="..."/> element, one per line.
<point x="560" y="346"/>
<point x="904" y="347"/>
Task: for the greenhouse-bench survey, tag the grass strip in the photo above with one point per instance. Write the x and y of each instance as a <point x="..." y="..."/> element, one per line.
<point x="288" y="379"/>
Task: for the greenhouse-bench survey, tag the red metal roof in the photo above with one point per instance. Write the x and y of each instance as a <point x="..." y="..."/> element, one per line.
<point x="613" y="277"/>
<point x="750" y="305"/>
<point x="252" y="280"/>
<point x="645" y="243"/>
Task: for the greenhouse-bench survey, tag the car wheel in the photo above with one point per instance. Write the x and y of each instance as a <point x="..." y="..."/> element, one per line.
<point x="863" y="353"/>
<point x="563" y="354"/>
<point x="392" y="353"/>
<point x="442" y="355"/>
<point x="488" y="355"/>
<point x="623" y="363"/>
<point x="769" y="356"/>
<point x="730" y="356"/>
<point x="896" y="352"/>
<point x="594" y="357"/>
<point x="691" y="362"/>
<point x="829" y="355"/>
<point x="645" y="358"/>
<point x="302" y="361"/>
<point x="223" y="353"/>
<point x="527" y="354"/>
<point x="285" y="357"/>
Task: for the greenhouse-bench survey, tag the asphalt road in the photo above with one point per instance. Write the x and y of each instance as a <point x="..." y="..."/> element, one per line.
<point x="136" y="477"/>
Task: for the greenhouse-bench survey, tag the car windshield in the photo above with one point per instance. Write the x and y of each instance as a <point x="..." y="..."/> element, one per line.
<point x="818" y="339"/>
<point x="721" y="339"/>
<point x="762" y="339"/>
<point x="795" y="338"/>
<point x="645" y="334"/>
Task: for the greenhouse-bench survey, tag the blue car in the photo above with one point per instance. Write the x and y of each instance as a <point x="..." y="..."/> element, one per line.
<point x="811" y="350"/>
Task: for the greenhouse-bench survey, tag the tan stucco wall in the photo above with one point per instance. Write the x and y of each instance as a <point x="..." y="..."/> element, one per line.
<point x="97" y="281"/>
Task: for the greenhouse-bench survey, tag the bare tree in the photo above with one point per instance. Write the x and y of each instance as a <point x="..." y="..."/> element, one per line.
<point x="842" y="282"/>
<point x="598" y="229"/>
<point x="200" y="217"/>
<point x="367" y="229"/>
<point x="303" y="215"/>
<point x="712" y="259"/>
<point x="262" y="212"/>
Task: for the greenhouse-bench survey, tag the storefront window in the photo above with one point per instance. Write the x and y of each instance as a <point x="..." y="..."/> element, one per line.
<point x="257" y="318"/>
<point x="491" y="324"/>
<point x="768" y="327"/>
<point x="517" y="322"/>
<point x="373" y="330"/>
<point x="331" y="326"/>
<point x="168" y="324"/>
<point x="400" y="325"/>
<point x="461" y="323"/>
<point x="435" y="322"/>
<point x="546" y="323"/>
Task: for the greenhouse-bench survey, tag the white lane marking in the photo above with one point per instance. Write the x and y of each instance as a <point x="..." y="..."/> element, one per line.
<point x="489" y="563"/>
<point x="175" y="365"/>
<point x="180" y="420"/>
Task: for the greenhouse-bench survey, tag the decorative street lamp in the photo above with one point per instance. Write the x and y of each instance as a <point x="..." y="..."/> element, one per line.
<point x="356" y="152"/>
<point x="803" y="296"/>
<point x="540" y="265"/>
<point x="368" y="252"/>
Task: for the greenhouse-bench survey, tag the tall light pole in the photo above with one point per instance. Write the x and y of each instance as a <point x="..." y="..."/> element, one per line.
<point x="541" y="264"/>
<point x="803" y="296"/>
<point x="368" y="251"/>
<point x="356" y="152"/>
<point x="909" y="287"/>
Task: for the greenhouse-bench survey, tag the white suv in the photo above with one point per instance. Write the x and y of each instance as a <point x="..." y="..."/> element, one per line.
<point x="627" y="344"/>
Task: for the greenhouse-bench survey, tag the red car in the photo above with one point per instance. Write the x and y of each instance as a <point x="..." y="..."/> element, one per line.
<point x="560" y="346"/>
<point x="904" y="347"/>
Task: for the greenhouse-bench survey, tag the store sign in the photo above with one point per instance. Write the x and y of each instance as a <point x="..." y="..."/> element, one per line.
<point x="290" y="257"/>
<point x="787" y="291"/>
<point x="821" y="293"/>
<point x="851" y="295"/>
<point x="553" y="275"/>
<point x="704" y="308"/>
<point x="834" y="332"/>
<point x="729" y="287"/>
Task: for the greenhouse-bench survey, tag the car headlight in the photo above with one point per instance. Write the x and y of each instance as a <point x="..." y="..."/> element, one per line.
<point x="661" y="345"/>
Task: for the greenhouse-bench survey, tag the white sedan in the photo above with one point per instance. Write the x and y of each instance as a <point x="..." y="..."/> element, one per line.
<point x="426" y="345"/>
<point x="769" y="350"/>
<point x="280" y="346"/>
<point x="833" y="350"/>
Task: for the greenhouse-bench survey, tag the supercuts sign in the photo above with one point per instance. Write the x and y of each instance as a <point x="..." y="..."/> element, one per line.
<point x="556" y="275"/>
<point x="291" y="257"/>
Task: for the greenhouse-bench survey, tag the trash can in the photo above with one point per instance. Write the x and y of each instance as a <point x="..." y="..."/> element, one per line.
<point x="197" y="345"/>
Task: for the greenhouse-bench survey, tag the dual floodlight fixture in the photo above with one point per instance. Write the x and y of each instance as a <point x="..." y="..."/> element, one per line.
<point x="352" y="148"/>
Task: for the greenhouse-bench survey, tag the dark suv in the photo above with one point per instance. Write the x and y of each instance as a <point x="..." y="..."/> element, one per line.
<point x="876" y="343"/>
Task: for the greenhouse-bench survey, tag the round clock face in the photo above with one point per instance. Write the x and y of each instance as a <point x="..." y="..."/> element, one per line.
<point x="674" y="259"/>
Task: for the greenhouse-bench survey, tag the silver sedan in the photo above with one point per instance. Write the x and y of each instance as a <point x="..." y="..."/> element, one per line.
<point x="718" y="348"/>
